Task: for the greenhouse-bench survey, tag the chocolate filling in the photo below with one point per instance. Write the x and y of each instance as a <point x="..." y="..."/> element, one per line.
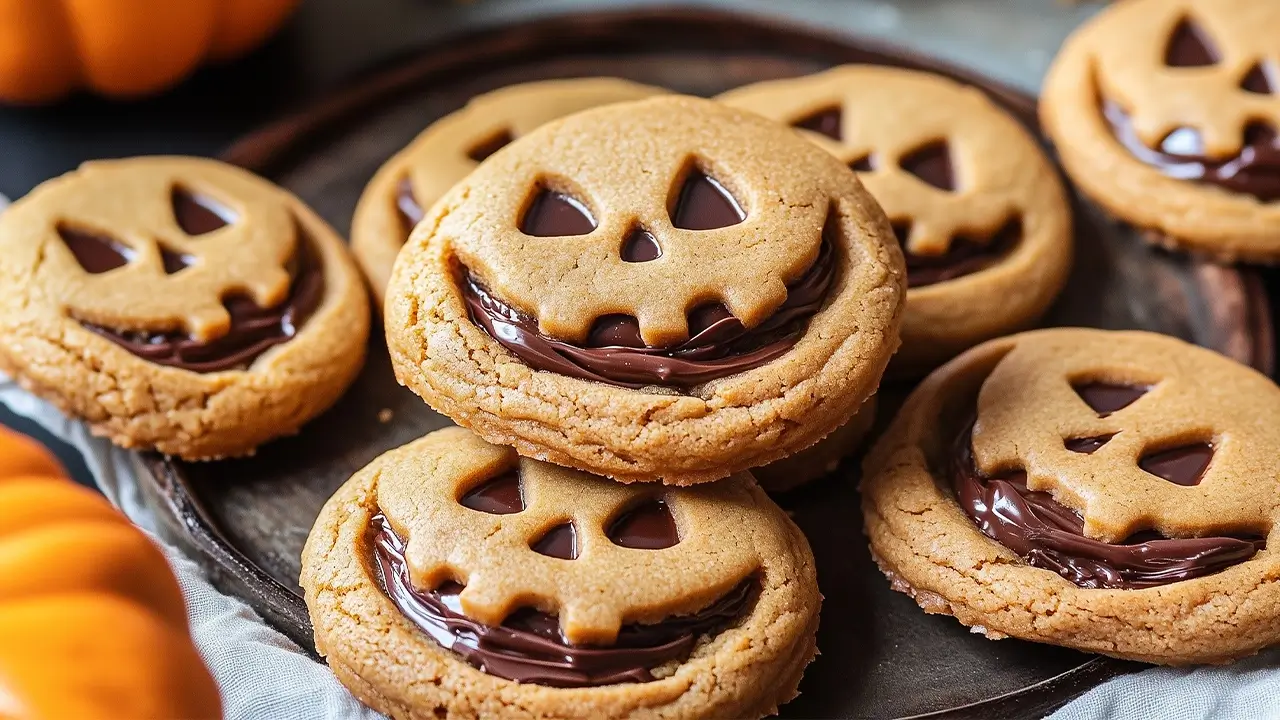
<point x="254" y="330"/>
<point x="528" y="646"/>
<point x="965" y="256"/>
<point x="411" y="213"/>
<point x="1050" y="535"/>
<point x="719" y="344"/>
<point x="1255" y="170"/>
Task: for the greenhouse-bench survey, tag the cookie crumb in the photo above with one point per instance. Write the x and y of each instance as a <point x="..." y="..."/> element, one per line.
<point x="385" y="415"/>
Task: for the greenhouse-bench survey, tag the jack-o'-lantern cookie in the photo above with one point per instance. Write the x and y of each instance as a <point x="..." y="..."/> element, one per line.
<point x="1115" y="492"/>
<point x="452" y="578"/>
<point x="661" y="290"/>
<point x="1167" y="113"/>
<point x="981" y="214"/>
<point x="411" y="181"/>
<point x="178" y="304"/>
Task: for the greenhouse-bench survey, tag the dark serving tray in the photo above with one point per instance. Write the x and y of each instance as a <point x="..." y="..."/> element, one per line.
<point x="246" y="520"/>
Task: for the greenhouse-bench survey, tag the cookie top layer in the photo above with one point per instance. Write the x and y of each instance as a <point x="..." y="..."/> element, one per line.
<point x="412" y="181"/>
<point x="626" y="596"/>
<point x="1168" y="113"/>
<point x="694" y="546"/>
<point x="185" y="276"/>
<point x="981" y="215"/>
<point x="640" y="251"/>
<point x="1097" y="466"/>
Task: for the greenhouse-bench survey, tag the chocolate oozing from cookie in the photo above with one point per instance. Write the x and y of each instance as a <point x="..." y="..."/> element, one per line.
<point x="96" y="253"/>
<point x="1184" y="465"/>
<point x="254" y="330"/>
<point x="965" y="256"/>
<point x="719" y="345"/>
<point x="648" y="526"/>
<point x="528" y="646"/>
<point x="1255" y="170"/>
<point x="1050" y="535"/>
<point x="828" y="121"/>
<point x="501" y="495"/>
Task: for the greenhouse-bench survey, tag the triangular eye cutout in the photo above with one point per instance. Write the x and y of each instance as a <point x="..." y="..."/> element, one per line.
<point x="932" y="164"/>
<point x="95" y="253"/>
<point x="1184" y="465"/>
<point x="1258" y="80"/>
<point x="866" y="163"/>
<point x="489" y="146"/>
<point x="554" y="214"/>
<point x="1107" y="398"/>
<point x="199" y="214"/>
<point x="560" y="541"/>
<point x="1190" y="46"/>
<point x="640" y="246"/>
<point x="824" y="122"/>
<point x="174" y="262"/>
<point x="498" y="496"/>
<point x="648" y="526"/>
<point x="705" y="204"/>
<point x="1087" y="445"/>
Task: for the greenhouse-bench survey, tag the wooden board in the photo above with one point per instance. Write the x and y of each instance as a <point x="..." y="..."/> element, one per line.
<point x="881" y="656"/>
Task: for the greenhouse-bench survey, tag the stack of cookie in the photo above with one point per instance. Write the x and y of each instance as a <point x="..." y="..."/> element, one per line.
<point x="628" y="308"/>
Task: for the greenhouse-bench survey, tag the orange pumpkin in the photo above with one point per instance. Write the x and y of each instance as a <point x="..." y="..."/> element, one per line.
<point x="92" y="623"/>
<point x="122" y="48"/>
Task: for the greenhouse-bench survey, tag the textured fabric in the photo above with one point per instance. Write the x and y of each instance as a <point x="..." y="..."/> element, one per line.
<point x="1246" y="690"/>
<point x="262" y="674"/>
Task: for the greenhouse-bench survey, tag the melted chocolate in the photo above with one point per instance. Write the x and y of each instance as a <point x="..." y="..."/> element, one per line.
<point x="827" y="122"/>
<point x="174" y="262"/>
<point x="528" y="646"/>
<point x="1190" y="46"/>
<point x="1106" y="398"/>
<point x="648" y="526"/>
<point x="705" y="204"/>
<point x="254" y="330"/>
<point x="640" y="246"/>
<point x="618" y="356"/>
<point x="965" y="256"/>
<point x="932" y="164"/>
<point x="481" y="152"/>
<point x="1255" y="170"/>
<point x="501" y="495"/>
<point x="1087" y="446"/>
<point x="95" y="252"/>
<point x="411" y="213"/>
<point x="554" y="214"/>
<point x="1048" y="534"/>
<point x="1259" y="80"/>
<point x="560" y="541"/>
<point x="1183" y="465"/>
<point x="199" y="214"/>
